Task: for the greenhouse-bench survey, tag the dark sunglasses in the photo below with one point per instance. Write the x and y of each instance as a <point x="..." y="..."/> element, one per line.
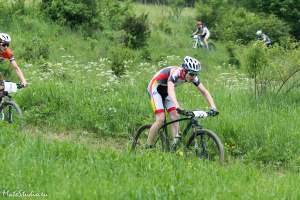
<point x="4" y="44"/>
<point x="192" y="74"/>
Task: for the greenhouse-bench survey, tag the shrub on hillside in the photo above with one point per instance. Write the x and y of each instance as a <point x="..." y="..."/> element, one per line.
<point x="256" y="62"/>
<point x="274" y="70"/>
<point x="114" y="12"/>
<point x="72" y="12"/>
<point x="164" y="26"/>
<point x="137" y="31"/>
<point x="288" y="10"/>
<point x="36" y="49"/>
<point x="118" y="56"/>
<point x="237" y="24"/>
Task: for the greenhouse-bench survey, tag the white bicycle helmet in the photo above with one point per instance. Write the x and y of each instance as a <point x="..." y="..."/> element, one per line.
<point x="191" y="64"/>
<point x="258" y="33"/>
<point x="5" y="38"/>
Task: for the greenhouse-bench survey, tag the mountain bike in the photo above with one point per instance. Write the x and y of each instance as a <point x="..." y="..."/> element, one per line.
<point x="199" y="43"/>
<point x="195" y="139"/>
<point x="9" y="109"/>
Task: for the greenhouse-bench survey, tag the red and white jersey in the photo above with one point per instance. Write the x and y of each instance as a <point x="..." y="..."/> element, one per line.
<point x="7" y="54"/>
<point x="172" y="73"/>
<point x="158" y="87"/>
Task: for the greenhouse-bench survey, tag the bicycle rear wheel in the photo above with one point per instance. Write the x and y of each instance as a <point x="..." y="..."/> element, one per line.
<point x="208" y="146"/>
<point x="139" y="140"/>
<point x="11" y="113"/>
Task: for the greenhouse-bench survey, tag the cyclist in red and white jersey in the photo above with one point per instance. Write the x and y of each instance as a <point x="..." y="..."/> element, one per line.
<point x="162" y="92"/>
<point x="201" y="33"/>
<point x="6" y="54"/>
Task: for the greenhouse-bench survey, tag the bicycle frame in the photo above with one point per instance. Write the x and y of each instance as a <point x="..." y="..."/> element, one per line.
<point x="191" y="124"/>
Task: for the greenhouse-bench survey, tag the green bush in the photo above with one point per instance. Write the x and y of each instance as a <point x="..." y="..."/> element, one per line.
<point x="164" y="26"/>
<point x="287" y="10"/>
<point x="137" y="31"/>
<point x="72" y="12"/>
<point x="118" y="56"/>
<point x="114" y="13"/>
<point x="36" y="49"/>
<point x="242" y="25"/>
<point x="238" y="24"/>
<point x="256" y="62"/>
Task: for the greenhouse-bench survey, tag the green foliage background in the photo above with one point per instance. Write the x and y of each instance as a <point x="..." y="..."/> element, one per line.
<point x="87" y="95"/>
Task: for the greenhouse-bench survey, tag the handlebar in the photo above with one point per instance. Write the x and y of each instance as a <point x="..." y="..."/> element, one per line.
<point x="197" y="113"/>
<point x="8" y="87"/>
<point x="20" y="86"/>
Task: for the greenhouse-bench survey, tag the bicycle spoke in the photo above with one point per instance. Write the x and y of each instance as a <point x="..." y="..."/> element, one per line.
<point x="12" y="114"/>
<point x="210" y="147"/>
<point x="139" y="142"/>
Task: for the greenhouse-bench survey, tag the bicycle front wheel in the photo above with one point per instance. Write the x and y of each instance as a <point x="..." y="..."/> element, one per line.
<point x="11" y="113"/>
<point x="139" y="140"/>
<point x="208" y="146"/>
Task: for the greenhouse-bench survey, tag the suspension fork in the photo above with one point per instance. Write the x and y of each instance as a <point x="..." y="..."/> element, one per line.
<point x="195" y="127"/>
<point x="202" y="143"/>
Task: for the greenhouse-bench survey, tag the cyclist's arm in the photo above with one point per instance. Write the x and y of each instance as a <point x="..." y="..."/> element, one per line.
<point x="171" y="93"/>
<point x="18" y="72"/>
<point x="205" y="31"/>
<point x="207" y="96"/>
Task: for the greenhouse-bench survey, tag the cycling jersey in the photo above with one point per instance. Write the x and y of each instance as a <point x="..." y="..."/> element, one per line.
<point x="266" y="39"/>
<point x="204" y="32"/>
<point x="263" y="37"/>
<point x="158" y="87"/>
<point x="7" y="54"/>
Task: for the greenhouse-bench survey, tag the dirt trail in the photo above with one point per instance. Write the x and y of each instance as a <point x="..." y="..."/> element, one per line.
<point x="83" y="137"/>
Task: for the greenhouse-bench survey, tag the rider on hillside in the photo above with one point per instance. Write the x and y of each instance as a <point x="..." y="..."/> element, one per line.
<point x="263" y="37"/>
<point x="201" y="33"/>
<point x="6" y="54"/>
<point x="162" y="93"/>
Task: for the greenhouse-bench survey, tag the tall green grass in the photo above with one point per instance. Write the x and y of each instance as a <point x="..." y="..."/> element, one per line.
<point x="75" y="90"/>
<point x="64" y="170"/>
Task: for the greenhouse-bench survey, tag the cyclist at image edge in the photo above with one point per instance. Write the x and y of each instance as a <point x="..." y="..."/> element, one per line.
<point x="263" y="37"/>
<point x="202" y="32"/>
<point x="162" y="93"/>
<point x="6" y="54"/>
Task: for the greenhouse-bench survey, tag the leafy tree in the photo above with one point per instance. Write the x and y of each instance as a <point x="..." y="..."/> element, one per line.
<point x="288" y="10"/>
<point x="238" y="24"/>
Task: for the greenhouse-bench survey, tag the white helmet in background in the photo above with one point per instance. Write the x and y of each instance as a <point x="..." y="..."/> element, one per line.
<point x="258" y="33"/>
<point x="191" y="64"/>
<point x="5" y="38"/>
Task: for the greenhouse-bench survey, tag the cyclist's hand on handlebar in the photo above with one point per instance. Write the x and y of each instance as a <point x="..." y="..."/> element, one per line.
<point x="184" y="112"/>
<point x="21" y="85"/>
<point x="213" y="112"/>
<point x="180" y="111"/>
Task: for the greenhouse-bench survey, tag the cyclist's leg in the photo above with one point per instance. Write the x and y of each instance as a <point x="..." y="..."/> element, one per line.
<point x="173" y="115"/>
<point x="195" y="37"/>
<point x="158" y="109"/>
<point x="174" y="126"/>
<point x="205" y="39"/>
<point x="159" y="120"/>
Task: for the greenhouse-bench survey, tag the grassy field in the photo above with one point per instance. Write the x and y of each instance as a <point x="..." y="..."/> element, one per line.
<point x="68" y="168"/>
<point x="80" y="117"/>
